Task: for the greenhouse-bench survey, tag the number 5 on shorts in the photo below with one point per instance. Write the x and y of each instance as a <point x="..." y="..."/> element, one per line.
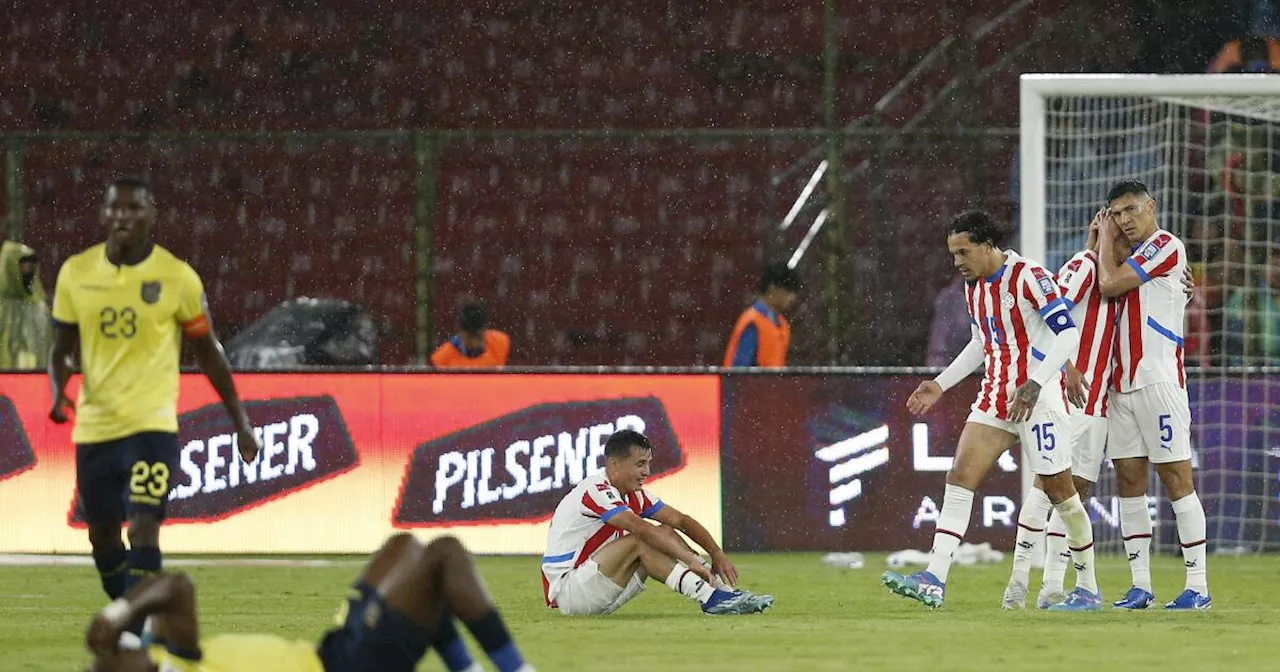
<point x="1166" y="432"/>
<point x="149" y="481"/>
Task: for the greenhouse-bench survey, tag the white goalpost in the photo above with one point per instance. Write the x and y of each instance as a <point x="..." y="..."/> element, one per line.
<point x="1208" y="147"/>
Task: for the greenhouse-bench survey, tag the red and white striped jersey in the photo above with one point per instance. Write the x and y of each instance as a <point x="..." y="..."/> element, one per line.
<point x="580" y="526"/>
<point x="1149" y="343"/>
<point x="1009" y="309"/>
<point x="1095" y="315"/>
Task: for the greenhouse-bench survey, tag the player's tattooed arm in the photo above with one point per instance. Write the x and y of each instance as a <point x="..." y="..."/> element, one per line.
<point x="1024" y="399"/>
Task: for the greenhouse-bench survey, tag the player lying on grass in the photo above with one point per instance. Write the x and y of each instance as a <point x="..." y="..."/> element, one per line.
<point x="600" y="551"/>
<point x="1023" y="332"/>
<point x="403" y="604"/>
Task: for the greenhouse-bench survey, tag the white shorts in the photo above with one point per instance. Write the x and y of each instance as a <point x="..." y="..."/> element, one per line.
<point x="584" y="591"/>
<point x="1152" y="422"/>
<point x="1089" y="440"/>
<point x="1045" y="436"/>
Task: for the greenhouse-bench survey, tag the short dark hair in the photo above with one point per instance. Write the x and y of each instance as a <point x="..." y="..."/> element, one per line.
<point x="1126" y="187"/>
<point x="620" y="444"/>
<point x="980" y="226"/>
<point x="130" y="182"/>
<point x="471" y="317"/>
<point x="778" y="274"/>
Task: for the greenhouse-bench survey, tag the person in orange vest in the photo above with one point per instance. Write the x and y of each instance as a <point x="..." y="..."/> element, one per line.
<point x="473" y="345"/>
<point x="762" y="335"/>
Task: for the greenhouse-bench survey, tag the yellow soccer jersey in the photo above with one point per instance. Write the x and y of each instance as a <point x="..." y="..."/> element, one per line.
<point x="131" y="320"/>
<point x="244" y="653"/>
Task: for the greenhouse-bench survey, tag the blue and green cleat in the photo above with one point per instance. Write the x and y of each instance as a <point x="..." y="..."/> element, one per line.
<point x="1079" y="600"/>
<point x="921" y="586"/>
<point x="1136" y="598"/>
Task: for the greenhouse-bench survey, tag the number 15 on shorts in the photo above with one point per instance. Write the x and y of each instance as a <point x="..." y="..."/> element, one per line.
<point x="1046" y="440"/>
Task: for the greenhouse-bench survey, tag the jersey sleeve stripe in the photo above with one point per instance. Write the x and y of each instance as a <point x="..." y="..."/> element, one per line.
<point x="1166" y="265"/>
<point x="604" y="517"/>
<point x="1052" y="305"/>
<point x="1138" y="267"/>
<point x="196" y="327"/>
<point x="1163" y="331"/>
<point x="565" y="557"/>
<point x="60" y="324"/>
<point x="591" y="505"/>
<point x="653" y="508"/>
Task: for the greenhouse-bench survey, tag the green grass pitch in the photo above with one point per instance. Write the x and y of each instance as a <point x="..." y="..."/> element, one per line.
<point x="825" y="619"/>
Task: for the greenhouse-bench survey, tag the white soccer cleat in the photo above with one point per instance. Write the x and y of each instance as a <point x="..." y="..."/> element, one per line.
<point x="1015" y="596"/>
<point x="1047" y="598"/>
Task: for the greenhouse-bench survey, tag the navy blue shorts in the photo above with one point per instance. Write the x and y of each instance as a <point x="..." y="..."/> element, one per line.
<point x="116" y="479"/>
<point x="373" y="637"/>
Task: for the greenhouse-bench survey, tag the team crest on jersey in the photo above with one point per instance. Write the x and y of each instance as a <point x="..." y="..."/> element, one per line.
<point x="151" y="291"/>
<point x="1007" y="300"/>
<point x="1047" y="286"/>
<point x="1150" y="250"/>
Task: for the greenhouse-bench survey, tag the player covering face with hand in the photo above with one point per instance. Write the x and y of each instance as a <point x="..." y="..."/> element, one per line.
<point x="1150" y="416"/>
<point x="1023" y="332"/>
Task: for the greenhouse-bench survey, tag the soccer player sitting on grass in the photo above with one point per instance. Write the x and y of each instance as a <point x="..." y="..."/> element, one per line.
<point x="403" y="603"/>
<point x="600" y="551"/>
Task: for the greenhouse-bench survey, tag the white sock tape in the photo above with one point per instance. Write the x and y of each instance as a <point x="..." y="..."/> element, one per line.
<point x="117" y="611"/>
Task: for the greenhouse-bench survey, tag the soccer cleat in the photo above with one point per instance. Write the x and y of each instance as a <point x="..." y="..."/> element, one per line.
<point x="1190" y="600"/>
<point x="1136" y="598"/>
<point x="1079" y="600"/>
<point x="730" y="603"/>
<point x="1015" y="596"/>
<point x="1049" y="597"/>
<point x="761" y="602"/>
<point x="921" y="586"/>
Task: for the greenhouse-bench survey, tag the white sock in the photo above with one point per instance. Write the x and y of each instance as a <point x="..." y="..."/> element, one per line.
<point x="1056" y="554"/>
<point x="1135" y="527"/>
<point x="957" y="504"/>
<point x="685" y="582"/>
<point x="1031" y="520"/>
<point x="1189" y="513"/>
<point x="1080" y="541"/>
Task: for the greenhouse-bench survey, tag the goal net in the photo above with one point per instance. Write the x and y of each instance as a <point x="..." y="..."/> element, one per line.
<point x="1208" y="147"/>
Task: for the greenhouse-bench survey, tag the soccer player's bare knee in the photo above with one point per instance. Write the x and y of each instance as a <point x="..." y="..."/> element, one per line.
<point x="1176" y="479"/>
<point x="1059" y="487"/>
<point x="1131" y="477"/>
<point x="619" y="559"/>
<point x="448" y="550"/>
<point x="400" y="547"/>
<point x="144" y="530"/>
